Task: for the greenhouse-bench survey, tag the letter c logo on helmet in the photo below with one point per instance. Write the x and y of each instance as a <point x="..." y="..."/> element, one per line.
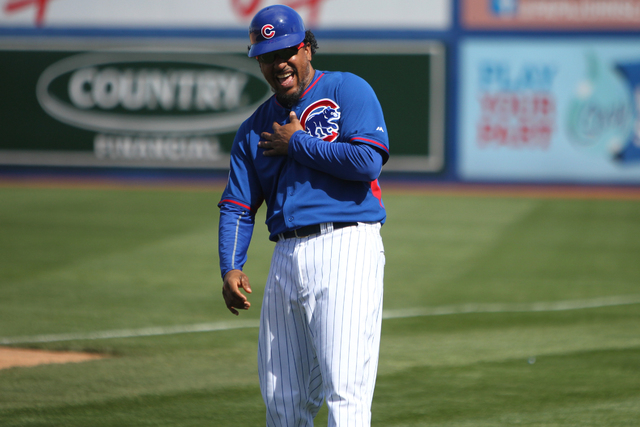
<point x="268" y="31"/>
<point x="273" y="28"/>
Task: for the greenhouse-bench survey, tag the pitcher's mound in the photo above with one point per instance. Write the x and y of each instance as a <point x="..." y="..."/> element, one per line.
<point x="14" y="357"/>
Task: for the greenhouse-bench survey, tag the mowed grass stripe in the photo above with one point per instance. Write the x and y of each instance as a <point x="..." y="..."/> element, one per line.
<point x="388" y="314"/>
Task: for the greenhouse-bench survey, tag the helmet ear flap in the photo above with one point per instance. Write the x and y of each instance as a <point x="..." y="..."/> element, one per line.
<point x="273" y="28"/>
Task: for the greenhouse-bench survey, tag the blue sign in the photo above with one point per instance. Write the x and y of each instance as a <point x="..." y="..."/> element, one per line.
<point x="550" y="110"/>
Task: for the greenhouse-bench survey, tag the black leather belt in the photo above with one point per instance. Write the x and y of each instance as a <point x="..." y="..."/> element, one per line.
<point x="312" y="229"/>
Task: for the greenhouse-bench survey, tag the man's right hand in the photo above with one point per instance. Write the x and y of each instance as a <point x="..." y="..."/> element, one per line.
<point x="233" y="281"/>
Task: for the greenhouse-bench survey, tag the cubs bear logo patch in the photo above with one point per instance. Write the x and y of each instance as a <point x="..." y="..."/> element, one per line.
<point x="320" y="119"/>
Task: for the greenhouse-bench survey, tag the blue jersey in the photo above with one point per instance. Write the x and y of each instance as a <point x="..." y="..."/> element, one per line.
<point x="329" y="175"/>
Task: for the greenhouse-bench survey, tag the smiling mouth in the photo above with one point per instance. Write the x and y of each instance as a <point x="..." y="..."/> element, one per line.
<point x="285" y="79"/>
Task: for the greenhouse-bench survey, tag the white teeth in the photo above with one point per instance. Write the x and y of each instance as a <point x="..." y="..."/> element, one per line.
<point x="284" y="76"/>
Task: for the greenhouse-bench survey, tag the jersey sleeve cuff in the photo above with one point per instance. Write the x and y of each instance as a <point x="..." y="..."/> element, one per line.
<point x="382" y="148"/>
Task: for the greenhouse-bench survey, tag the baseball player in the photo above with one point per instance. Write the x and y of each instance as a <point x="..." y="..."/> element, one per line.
<point x="312" y="153"/>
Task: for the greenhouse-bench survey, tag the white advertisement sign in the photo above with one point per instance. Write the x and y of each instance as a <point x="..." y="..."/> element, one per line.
<point x="550" y="110"/>
<point x="163" y="14"/>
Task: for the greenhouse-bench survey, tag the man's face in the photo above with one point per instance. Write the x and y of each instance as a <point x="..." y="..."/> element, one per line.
<point x="289" y="77"/>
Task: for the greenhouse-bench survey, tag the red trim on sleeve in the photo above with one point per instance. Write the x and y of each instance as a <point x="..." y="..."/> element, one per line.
<point x="372" y="142"/>
<point x="236" y="203"/>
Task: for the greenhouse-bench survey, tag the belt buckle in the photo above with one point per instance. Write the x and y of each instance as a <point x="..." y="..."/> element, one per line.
<point x="295" y="233"/>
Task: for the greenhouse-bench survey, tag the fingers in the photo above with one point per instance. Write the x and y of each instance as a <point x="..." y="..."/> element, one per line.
<point x="244" y="284"/>
<point x="277" y="143"/>
<point x="266" y="136"/>
<point x="234" y="302"/>
<point x="265" y="141"/>
<point x="233" y="298"/>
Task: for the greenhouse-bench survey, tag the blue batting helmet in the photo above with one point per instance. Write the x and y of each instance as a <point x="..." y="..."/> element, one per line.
<point x="273" y="28"/>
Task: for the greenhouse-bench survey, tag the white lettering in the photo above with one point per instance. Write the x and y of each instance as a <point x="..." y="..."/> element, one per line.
<point x="80" y="88"/>
<point x="132" y="93"/>
<point x="232" y="90"/>
<point x="154" y="89"/>
<point x="105" y="90"/>
<point x="208" y="92"/>
<point x="167" y="95"/>
<point x="186" y="83"/>
<point x="156" y="148"/>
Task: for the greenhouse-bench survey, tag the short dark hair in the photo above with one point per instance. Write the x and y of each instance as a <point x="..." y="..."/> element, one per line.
<point x="309" y="38"/>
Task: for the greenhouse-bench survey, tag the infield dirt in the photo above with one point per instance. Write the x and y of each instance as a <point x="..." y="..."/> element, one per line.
<point x="19" y="357"/>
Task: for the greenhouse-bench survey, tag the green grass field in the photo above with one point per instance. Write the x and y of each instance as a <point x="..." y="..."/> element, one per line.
<point x="500" y="311"/>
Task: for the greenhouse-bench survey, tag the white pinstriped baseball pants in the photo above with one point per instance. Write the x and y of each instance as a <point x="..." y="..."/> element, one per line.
<point x="320" y="327"/>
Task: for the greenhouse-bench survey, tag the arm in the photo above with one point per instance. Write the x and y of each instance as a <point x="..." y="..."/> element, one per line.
<point x="344" y="160"/>
<point x="234" y="235"/>
<point x="349" y="161"/>
<point x="240" y="200"/>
